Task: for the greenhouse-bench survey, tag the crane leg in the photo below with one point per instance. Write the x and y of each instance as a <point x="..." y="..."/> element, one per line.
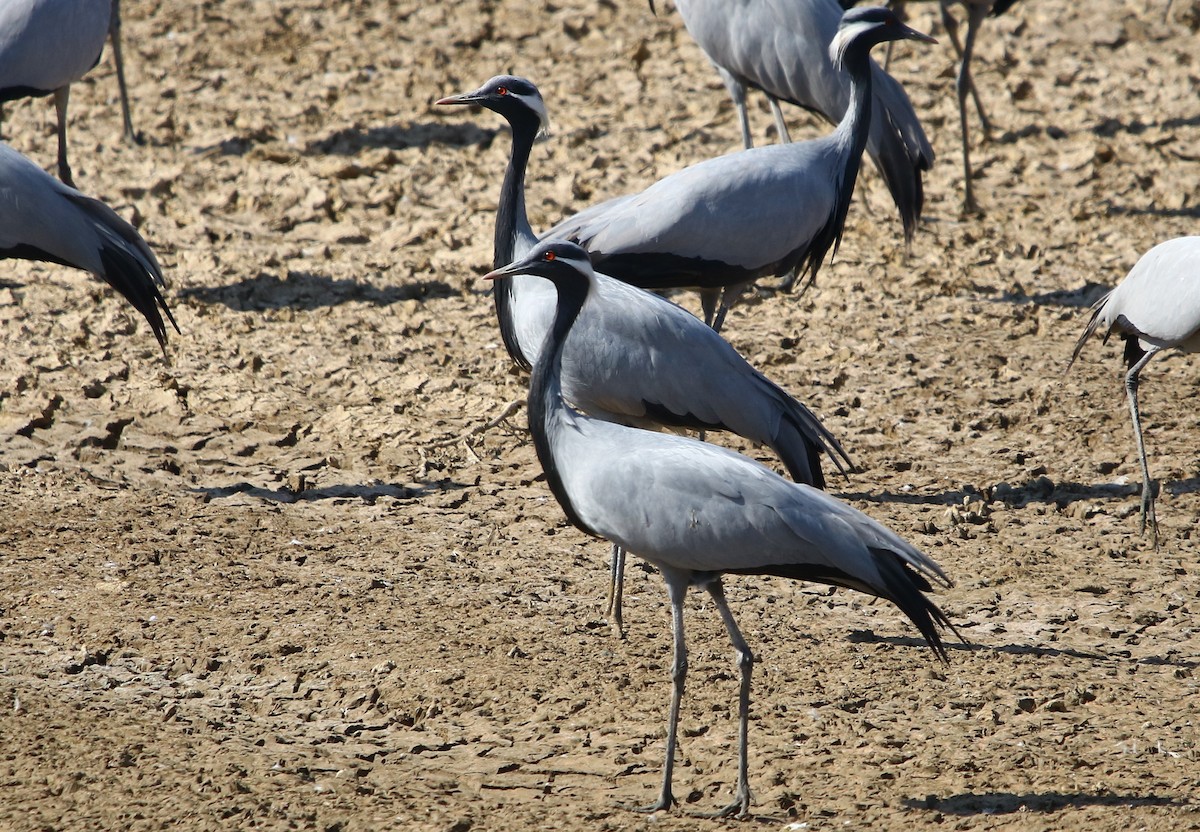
<point x="114" y="34"/>
<point x="677" y="586"/>
<point x="780" y="123"/>
<point x="962" y="86"/>
<point x="61" y="96"/>
<point x="1131" y="387"/>
<point x="710" y="300"/>
<point x="745" y="659"/>
<point x="729" y="296"/>
<point x="616" y="589"/>
<point x="737" y="91"/>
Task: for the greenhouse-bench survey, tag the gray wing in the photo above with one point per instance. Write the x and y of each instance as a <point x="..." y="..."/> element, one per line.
<point x="47" y="45"/>
<point x="636" y="358"/>
<point x="750" y="213"/>
<point x="690" y="505"/>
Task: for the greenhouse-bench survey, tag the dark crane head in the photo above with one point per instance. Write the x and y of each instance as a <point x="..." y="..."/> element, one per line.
<point x="513" y="97"/>
<point x="861" y="29"/>
<point x="561" y="262"/>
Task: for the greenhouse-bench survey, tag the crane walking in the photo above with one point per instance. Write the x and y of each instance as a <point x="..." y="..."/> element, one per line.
<point x="782" y="48"/>
<point x="43" y="219"/>
<point x="723" y="223"/>
<point x="634" y="357"/>
<point x="1156" y="307"/>
<point x="696" y="511"/>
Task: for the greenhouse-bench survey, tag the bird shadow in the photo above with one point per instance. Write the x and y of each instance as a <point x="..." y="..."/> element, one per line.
<point x="367" y="493"/>
<point x="1190" y="212"/>
<point x="1006" y="803"/>
<point x="1082" y="298"/>
<point x="1037" y="490"/>
<point x="1040" y="651"/>
<point x="1112" y="126"/>
<point x="307" y="291"/>
<point x="352" y="140"/>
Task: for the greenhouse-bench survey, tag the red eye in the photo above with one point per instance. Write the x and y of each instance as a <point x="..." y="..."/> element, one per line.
<point x="501" y="90"/>
<point x="549" y="255"/>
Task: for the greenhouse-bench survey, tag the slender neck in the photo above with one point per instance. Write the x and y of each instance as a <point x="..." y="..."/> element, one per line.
<point x="855" y="126"/>
<point x="546" y="406"/>
<point x="511" y="220"/>
<point x="852" y="132"/>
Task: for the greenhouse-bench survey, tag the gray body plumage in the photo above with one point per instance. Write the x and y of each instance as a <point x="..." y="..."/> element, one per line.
<point x="696" y="511"/>
<point x="47" y="45"/>
<point x="782" y="48"/>
<point x="725" y="222"/>
<point x="635" y="357"/>
<point x="43" y="219"/>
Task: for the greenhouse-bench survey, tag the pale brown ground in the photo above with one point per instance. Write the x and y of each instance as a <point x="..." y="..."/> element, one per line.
<point x="285" y="579"/>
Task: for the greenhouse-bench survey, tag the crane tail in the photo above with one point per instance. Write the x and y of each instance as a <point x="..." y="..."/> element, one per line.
<point x="129" y="265"/>
<point x="1092" y="325"/>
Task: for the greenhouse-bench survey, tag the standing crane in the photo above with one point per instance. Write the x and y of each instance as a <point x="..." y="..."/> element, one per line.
<point x="1156" y="307"/>
<point x="696" y="511"/>
<point x="723" y="223"/>
<point x="47" y="45"/>
<point x="634" y="357"/>
<point x="43" y="219"/>
<point x="782" y="48"/>
<point x="964" y="83"/>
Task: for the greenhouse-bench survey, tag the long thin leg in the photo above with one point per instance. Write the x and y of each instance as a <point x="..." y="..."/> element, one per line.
<point x="114" y="34"/>
<point x="616" y="589"/>
<point x="780" y="123"/>
<point x="962" y="85"/>
<point x="729" y="296"/>
<point x="974" y="8"/>
<point x="1131" y="386"/>
<point x="677" y="585"/>
<point x="737" y="91"/>
<point x="745" y="660"/>
<point x="710" y="302"/>
<point x="61" y="96"/>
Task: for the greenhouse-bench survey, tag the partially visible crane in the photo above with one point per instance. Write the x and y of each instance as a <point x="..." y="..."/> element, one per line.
<point x="1156" y="307"/>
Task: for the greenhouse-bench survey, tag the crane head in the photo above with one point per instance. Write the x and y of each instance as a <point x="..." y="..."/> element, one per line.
<point x="509" y="95"/>
<point x="863" y="28"/>
<point x="559" y="261"/>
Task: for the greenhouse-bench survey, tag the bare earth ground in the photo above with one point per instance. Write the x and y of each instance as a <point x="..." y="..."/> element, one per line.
<point x="291" y="577"/>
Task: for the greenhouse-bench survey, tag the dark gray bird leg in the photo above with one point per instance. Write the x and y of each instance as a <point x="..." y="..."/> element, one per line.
<point x="1131" y="386"/>
<point x="61" y="96"/>
<point x="964" y="84"/>
<point x="976" y="13"/>
<point x="616" y="589"/>
<point x="677" y="586"/>
<point x="745" y="659"/>
<point x="780" y="124"/>
<point x="729" y="296"/>
<point x="114" y="34"/>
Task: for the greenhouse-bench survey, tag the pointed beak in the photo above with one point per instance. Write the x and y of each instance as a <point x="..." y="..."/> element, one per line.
<point x="462" y="98"/>
<point x="913" y="34"/>
<point x="505" y="271"/>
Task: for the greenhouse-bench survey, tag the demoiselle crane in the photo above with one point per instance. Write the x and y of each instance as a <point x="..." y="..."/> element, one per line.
<point x="782" y="48"/>
<point x="1156" y="307"/>
<point x="964" y="82"/>
<point x="696" y="511"/>
<point x="635" y="357"/>
<point x="43" y="219"/>
<point x="47" y="45"/>
<point x="725" y="222"/>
